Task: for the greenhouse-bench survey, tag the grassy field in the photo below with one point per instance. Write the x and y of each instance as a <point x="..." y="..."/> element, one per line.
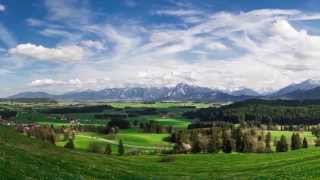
<point x="177" y="123"/>
<point x="131" y="140"/>
<point x="26" y="158"/>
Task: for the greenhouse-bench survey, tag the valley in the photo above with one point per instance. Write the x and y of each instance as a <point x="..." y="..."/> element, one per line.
<point x="148" y="142"/>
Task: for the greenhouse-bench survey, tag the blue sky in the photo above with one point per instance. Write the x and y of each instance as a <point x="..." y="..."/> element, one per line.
<point x="66" y="45"/>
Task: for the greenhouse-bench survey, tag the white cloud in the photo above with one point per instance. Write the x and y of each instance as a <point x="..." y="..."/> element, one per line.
<point x="260" y="49"/>
<point x="55" y="32"/>
<point x="179" y="12"/>
<point x="71" y="84"/>
<point x="2" y="8"/>
<point x="65" y="53"/>
<point x="46" y="82"/>
<point x="69" y="12"/>
<point x="92" y="44"/>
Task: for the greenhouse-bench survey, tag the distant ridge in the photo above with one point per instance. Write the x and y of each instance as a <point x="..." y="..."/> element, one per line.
<point x="309" y="89"/>
<point x="180" y="92"/>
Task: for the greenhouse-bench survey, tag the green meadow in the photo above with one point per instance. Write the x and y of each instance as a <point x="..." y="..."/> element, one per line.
<point x="25" y="158"/>
<point x="22" y="157"/>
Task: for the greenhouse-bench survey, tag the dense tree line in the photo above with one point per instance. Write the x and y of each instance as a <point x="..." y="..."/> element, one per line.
<point x="78" y="109"/>
<point x="6" y="113"/>
<point x="120" y="123"/>
<point x="263" y="111"/>
<point x="134" y="112"/>
<point x="111" y="116"/>
<point x="155" y="127"/>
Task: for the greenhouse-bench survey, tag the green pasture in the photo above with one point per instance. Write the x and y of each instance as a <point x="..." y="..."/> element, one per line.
<point x="27" y="158"/>
<point x="177" y="123"/>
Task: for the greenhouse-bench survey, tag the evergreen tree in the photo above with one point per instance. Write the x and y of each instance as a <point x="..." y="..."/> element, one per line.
<point x="268" y="142"/>
<point x="120" y="148"/>
<point x="239" y="139"/>
<point x="70" y="144"/>
<point x="214" y="144"/>
<point x="282" y="145"/>
<point x="305" y="143"/>
<point x="196" y="148"/>
<point x="295" y="141"/>
<point x="226" y="141"/>
<point x="108" y="150"/>
<point x="227" y="146"/>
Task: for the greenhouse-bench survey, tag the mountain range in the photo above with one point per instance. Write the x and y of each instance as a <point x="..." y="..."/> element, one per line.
<point x="309" y="89"/>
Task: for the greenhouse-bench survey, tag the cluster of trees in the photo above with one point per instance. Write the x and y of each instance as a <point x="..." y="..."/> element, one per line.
<point x="44" y="133"/>
<point x="78" y="109"/>
<point x="111" y="116"/>
<point x="120" y="123"/>
<point x="100" y="148"/>
<point x="262" y="111"/>
<point x="296" y="143"/>
<point x="155" y="127"/>
<point x="6" y="113"/>
<point x="238" y="139"/>
<point x="135" y="112"/>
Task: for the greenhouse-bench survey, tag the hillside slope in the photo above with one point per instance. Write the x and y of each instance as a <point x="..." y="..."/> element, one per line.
<point x="25" y="158"/>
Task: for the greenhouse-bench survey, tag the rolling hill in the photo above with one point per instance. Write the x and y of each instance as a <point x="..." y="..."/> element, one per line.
<point x="25" y="158"/>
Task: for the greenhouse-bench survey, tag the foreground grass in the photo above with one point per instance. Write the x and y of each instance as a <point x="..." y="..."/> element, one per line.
<point x="26" y="158"/>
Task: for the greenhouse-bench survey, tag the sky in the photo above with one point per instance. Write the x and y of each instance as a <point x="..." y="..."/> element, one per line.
<point x="72" y="45"/>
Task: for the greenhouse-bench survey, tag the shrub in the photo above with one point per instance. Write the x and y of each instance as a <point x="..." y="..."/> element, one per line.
<point x="70" y="144"/>
<point x="305" y="143"/>
<point x="120" y="148"/>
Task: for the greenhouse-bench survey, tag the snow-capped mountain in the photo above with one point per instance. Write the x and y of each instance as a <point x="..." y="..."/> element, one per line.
<point x="179" y="92"/>
<point x="245" y="92"/>
<point x="302" y="86"/>
<point x="309" y="89"/>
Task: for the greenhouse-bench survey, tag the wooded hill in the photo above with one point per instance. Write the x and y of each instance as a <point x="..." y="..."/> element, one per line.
<point x="283" y="112"/>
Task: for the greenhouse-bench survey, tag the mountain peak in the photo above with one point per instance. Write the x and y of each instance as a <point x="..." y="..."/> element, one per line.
<point x="304" y="86"/>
